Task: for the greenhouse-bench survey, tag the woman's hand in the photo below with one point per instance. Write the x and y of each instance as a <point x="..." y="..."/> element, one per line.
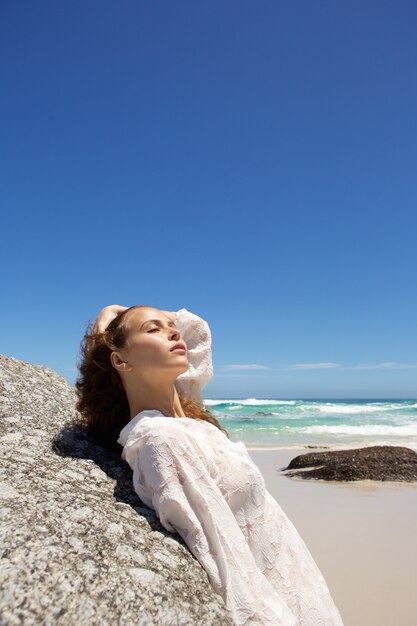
<point x="107" y="315"/>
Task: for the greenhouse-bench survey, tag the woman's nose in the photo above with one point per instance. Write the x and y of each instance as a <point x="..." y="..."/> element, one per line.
<point x="174" y="334"/>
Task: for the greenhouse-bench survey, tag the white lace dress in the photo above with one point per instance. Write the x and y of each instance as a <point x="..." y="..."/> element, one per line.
<point x="207" y="489"/>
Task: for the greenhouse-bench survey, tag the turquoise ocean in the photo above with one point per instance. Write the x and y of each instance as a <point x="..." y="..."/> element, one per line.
<point x="332" y="423"/>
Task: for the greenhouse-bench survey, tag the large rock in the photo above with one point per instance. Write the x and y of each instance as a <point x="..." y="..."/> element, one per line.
<point x="394" y="463"/>
<point x="78" y="546"/>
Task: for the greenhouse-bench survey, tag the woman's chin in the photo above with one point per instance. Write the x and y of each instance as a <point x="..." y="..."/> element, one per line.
<point x="182" y="367"/>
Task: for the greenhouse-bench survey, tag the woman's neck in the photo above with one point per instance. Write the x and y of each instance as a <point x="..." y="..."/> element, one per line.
<point x="163" y="398"/>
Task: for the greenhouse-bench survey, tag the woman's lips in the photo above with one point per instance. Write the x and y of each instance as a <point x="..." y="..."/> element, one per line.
<point x="180" y="346"/>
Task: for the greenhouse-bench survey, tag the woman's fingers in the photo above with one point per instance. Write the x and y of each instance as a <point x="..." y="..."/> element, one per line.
<point x="107" y="315"/>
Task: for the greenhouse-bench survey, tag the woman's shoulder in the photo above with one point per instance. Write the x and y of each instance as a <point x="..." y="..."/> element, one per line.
<point x="163" y="425"/>
<point x="155" y="423"/>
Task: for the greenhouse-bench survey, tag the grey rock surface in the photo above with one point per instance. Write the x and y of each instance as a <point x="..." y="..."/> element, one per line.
<point x="77" y="544"/>
<point x="393" y="463"/>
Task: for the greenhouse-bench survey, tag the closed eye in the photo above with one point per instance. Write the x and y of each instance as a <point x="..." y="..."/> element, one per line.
<point x="152" y="330"/>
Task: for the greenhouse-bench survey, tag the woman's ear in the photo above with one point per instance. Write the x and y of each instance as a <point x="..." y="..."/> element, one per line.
<point x="118" y="363"/>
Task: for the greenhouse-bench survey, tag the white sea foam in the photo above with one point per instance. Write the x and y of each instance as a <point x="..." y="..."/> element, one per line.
<point x="248" y="402"/>
<point x="352" y="409"/>
<point x="284" y="416"/>
<point x="408" y="430"/>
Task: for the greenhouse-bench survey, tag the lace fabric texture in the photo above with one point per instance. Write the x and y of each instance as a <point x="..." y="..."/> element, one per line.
<point x="197" y="336"/>
<point x="207" y="489"/>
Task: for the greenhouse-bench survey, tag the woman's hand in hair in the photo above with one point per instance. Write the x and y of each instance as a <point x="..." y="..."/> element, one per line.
<point x="107" y="315"/>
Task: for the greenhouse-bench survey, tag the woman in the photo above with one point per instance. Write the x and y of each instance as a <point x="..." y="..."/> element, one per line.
<point x="140" y="369"/>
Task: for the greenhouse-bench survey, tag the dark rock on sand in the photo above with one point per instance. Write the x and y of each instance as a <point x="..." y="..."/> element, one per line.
<point x="78" y="546"/>
<point x="394" y="463"/>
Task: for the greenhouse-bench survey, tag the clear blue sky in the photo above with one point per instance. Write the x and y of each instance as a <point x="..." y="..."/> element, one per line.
<point x="253" y="162"/>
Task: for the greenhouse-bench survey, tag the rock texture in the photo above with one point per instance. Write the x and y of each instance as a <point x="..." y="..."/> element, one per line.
<point x="77" y="544"/>
<point x="394" y="463"/>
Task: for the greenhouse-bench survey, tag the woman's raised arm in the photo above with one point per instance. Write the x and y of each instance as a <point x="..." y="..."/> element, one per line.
<point x="107" y="315"/>
<point x="196" y="333"/>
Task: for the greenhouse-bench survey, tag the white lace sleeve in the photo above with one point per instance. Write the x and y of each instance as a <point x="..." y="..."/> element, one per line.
<point x="196" y="334"/>
<point x="171" y="476"/>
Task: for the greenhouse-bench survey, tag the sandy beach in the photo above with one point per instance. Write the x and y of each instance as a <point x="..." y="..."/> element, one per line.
<point x="362" y="536"/>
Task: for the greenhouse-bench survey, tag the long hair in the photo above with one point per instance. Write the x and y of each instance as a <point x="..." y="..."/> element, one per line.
<point x="102" y="400"/>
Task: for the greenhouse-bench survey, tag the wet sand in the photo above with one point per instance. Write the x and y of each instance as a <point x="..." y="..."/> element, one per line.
<point x="363" y="537"/>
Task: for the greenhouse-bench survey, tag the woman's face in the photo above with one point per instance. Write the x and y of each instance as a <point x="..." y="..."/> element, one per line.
<point x="152" y="345"/>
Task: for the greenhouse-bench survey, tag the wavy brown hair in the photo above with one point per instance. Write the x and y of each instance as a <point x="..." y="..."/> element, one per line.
<point x="102" y="401"/>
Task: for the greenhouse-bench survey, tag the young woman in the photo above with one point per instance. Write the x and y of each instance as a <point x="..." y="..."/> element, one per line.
<point x="141" y="375"/>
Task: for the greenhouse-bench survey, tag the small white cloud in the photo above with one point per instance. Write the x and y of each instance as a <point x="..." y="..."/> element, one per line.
<point x="313" y="366"/>
<point x="250" y="366"/>
<point x="387" y="365"/>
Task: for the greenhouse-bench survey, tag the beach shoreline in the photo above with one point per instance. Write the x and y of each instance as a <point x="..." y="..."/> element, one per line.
<point x="331" y="424"/>
<point x="361" y="535"/>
